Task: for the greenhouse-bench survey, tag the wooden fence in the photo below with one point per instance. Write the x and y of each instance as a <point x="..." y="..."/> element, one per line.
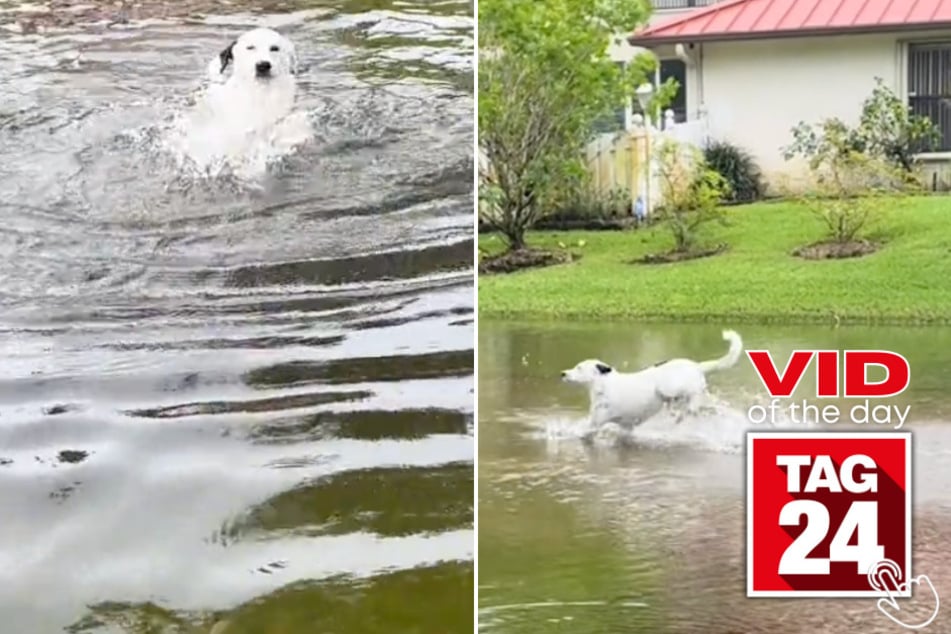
<point x="618" y="161"/>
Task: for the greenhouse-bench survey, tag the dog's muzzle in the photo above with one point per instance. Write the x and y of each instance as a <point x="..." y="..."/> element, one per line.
<point x="262" y="69"/>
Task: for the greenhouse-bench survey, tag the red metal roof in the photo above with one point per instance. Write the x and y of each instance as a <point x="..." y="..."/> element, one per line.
<point x="749" y="19"/>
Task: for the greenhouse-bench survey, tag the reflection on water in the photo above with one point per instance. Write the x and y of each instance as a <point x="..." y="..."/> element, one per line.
<point x="226" y="408"/>
<point x="650" y="537"/>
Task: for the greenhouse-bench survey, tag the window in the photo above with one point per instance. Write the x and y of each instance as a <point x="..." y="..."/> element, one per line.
<point x="669" y="68"/>
<point x="929" y="86"/>
<point x="680" y="4"/>
<point x="677" y="70"/>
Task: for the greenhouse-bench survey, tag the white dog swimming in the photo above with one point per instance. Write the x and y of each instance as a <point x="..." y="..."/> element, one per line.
<point x="627" y="399"/>
<point x="261" y="88"/>
<point x="246" y="116"/>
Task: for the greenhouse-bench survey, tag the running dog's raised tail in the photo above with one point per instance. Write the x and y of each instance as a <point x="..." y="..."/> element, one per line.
<point x="730" y="358"/>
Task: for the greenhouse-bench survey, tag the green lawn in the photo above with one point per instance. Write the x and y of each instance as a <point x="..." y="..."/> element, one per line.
<point x="907" y="281"/>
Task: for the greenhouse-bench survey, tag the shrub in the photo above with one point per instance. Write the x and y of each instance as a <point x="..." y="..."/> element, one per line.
<point x="842" y="201"/>
<point x="691" y="193"/>
<point x="738" y="168"/>
<point x="887" y="131"/>
<point x="853" y="167"/>
<point x="849" y="182"/>
<point x="891" y="130"/>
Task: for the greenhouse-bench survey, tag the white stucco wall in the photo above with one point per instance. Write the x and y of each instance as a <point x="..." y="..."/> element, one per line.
<point x="754" y="92"/>
<point x="621" y="51"/>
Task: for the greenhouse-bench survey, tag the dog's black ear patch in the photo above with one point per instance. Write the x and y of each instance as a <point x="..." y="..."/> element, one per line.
<point x="603" y="368"/>
<point x="227" y="56"/>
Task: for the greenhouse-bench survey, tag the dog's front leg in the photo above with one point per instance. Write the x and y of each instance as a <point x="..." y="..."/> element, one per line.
<point x="598" y="414"/>
<point x="587" y="436"/>
<point x="676" y="407"/>
<point x="700" y="404"/>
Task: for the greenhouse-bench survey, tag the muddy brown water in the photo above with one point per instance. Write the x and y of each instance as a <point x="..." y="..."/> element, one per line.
<point x="230" y="409"/>
<point x="650" y="537"/>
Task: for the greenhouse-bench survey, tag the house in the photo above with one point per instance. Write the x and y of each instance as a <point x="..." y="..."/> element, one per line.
<point x="752" y="69"/>
<point x="622" y="52"/>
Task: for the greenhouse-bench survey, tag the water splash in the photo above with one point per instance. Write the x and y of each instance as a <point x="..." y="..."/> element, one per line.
<point x="206" y="149"/>
<point x="721" y="427"/>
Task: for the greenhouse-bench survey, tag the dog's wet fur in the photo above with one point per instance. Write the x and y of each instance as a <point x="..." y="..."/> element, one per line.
<point x="628" y="399"/>
<point x="247" y="113"/>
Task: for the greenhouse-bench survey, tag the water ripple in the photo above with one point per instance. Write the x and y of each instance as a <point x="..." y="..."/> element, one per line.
<point x="228" y="407"/>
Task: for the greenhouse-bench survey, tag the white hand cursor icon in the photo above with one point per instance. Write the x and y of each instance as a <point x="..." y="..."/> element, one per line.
<point x="885" y="576"/>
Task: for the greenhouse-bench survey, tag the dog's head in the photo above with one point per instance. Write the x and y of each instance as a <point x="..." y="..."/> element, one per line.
<point x="258" y="55"/>
<point x="587" y="372"/>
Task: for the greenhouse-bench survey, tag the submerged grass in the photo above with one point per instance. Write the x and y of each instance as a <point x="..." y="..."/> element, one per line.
<point x="908" y="280"/>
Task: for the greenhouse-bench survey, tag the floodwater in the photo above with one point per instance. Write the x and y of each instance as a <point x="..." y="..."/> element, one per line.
<point x="236" y="406"/>
<point x="649" y="536"/>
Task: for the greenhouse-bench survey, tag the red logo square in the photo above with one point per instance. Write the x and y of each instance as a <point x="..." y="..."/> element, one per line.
<point x="825" y="508"/>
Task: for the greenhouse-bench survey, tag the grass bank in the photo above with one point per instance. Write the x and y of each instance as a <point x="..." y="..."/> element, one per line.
<point x="907" y="281"/>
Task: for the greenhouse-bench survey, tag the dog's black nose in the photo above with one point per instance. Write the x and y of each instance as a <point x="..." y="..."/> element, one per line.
<point x="262" y="68"/>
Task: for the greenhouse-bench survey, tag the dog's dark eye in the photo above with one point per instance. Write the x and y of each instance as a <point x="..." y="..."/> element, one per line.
<point x="250" y="47"/>
<point x="275" y="48"/>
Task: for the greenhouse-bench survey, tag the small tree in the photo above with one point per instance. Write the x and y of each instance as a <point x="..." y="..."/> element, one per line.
<point x="529" y="151"/>
<point x="545" y="78"/>
<point x="691" y="193"/>
<point x="853" y="168"/>
<point x="889" y="129"/>
<point x="846" y="195"/>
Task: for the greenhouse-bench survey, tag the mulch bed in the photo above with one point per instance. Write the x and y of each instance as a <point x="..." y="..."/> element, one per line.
<point x="835" y="250"/>
<point x="512" y="261"/>
<point x="671" y="257"/>
<point x="585" y="224"/>
<point x="578" y="224"/>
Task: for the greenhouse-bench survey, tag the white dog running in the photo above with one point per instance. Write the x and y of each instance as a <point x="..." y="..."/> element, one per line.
<point x="628" y="399"/>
